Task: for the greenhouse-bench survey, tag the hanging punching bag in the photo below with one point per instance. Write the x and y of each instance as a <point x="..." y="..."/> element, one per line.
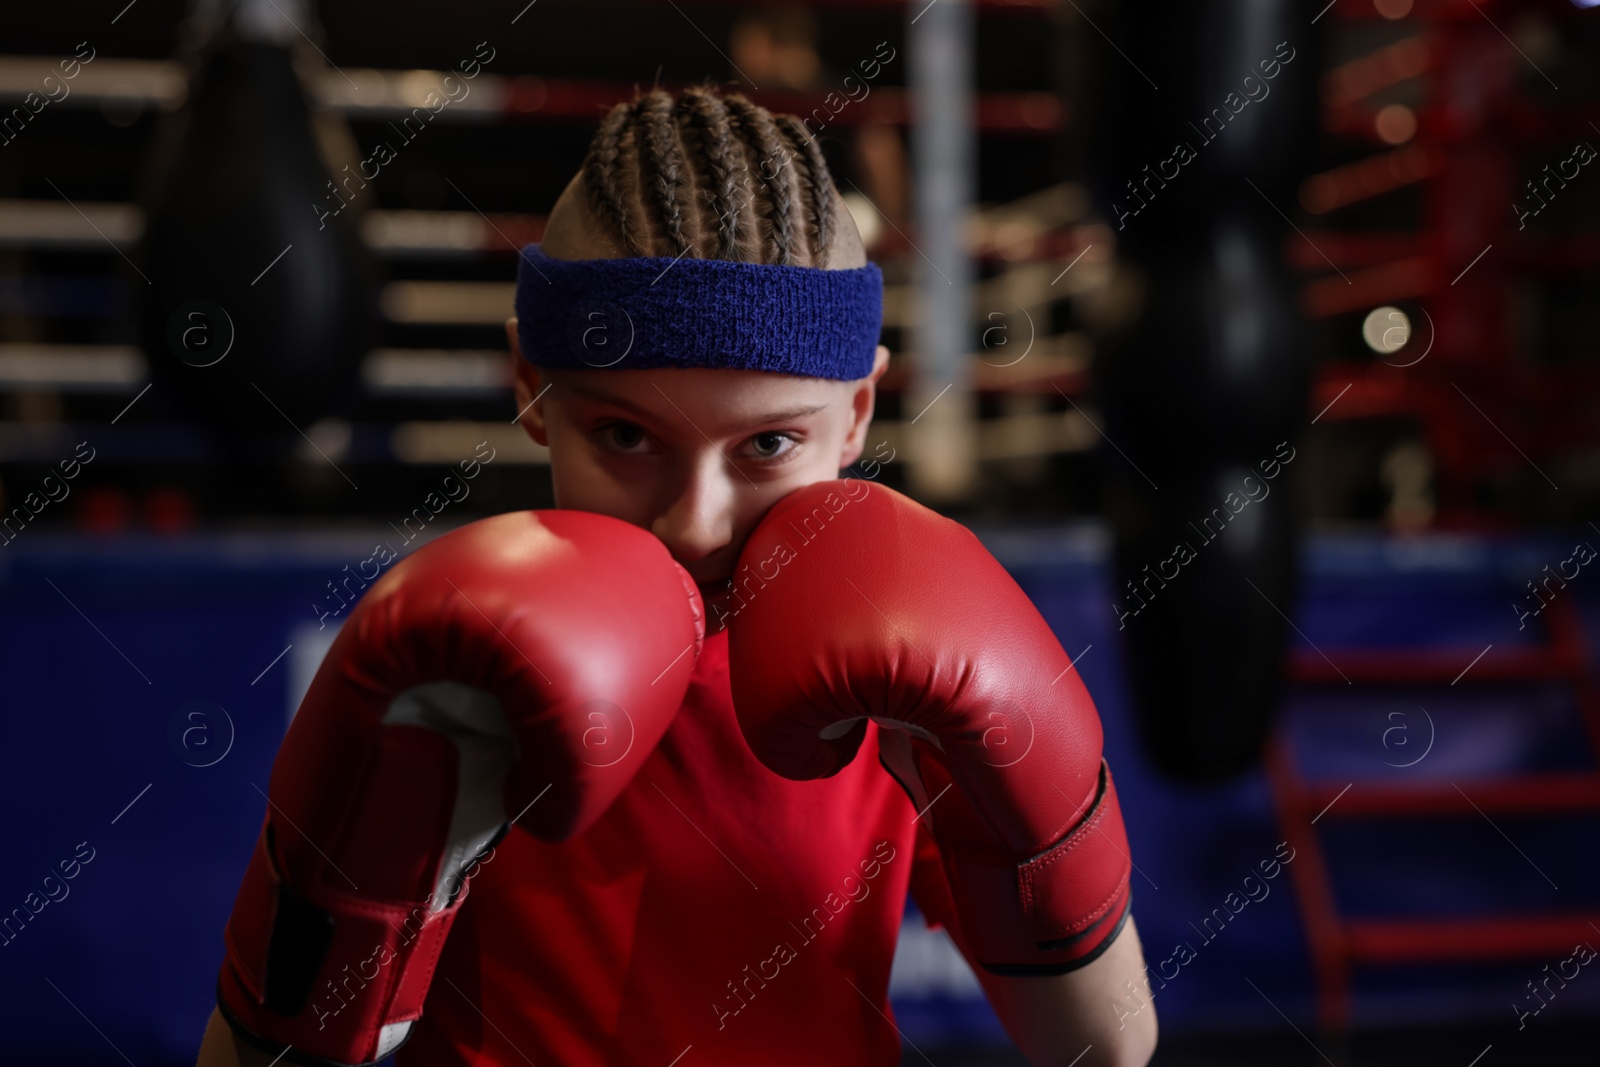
<point x="1206" y="391"/>
<point x="1205" y="562"/>
<point x="262" y="299"/>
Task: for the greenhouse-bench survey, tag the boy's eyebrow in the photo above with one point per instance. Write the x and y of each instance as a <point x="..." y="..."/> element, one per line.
<point x="600" y="395"/>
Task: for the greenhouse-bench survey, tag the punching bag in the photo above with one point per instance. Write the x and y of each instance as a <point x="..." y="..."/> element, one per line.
<point x="1205" y="559"/>
<point x="1205" y="391"/>
<point x="262" y="300"/>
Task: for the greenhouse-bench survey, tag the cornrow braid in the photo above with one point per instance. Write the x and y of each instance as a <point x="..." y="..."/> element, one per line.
<point x="814" y="179"/>
<point x="600" y="175"/>
<point x="666" y="160"/>
<point x="668" y="175"/>
<point x="761" y="134"/>
<point x="725" y="163"/>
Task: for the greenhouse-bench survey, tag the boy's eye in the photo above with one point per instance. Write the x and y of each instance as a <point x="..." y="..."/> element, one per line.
<point x="771" y="444"/>
<point x="625" y="436"/>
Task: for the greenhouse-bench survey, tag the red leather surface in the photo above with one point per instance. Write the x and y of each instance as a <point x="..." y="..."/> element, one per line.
<point x="581" y="627"/>
<point x="857" y="601"/>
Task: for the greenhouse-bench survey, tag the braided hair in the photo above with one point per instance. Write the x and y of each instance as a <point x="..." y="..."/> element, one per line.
<point x="711" y="177"/>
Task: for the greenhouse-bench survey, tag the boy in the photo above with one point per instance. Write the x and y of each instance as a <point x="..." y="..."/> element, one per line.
<point x="696" y="344"/>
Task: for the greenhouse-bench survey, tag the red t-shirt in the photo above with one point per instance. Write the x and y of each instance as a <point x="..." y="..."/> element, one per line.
<point x="716" y="914"/>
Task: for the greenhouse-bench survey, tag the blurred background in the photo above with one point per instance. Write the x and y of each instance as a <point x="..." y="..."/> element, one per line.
<point x="1257" y="338"/>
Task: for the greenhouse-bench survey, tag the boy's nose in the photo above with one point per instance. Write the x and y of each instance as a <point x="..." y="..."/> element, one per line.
<point x="699" y="520"/>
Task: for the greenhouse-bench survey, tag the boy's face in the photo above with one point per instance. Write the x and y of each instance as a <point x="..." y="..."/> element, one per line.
<point x="695" y="456"/>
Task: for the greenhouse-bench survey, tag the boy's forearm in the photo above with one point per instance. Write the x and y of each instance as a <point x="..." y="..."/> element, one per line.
<point x="221" y="1047"/>
<point x="1056" y="1019"/>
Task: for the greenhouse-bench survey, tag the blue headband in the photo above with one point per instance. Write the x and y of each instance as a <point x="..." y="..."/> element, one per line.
<point x="645" y="312"/>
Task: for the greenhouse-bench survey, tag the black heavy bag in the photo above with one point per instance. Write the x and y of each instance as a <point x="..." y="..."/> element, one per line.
<point x="1207" y="387"/>
<point x="263" y="300"/>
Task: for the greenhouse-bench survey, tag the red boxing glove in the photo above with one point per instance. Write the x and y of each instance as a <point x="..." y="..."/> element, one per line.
<point x="851" y="602"/>
<point x="518" y="670"/>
